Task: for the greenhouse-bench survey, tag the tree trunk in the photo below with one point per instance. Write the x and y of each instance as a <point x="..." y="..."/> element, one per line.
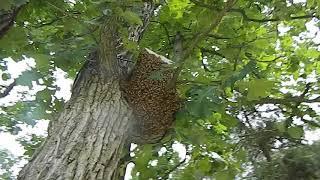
<point x="87" y="139"/>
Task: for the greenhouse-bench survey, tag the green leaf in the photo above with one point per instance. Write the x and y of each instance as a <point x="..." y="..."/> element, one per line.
<point x="296" y="132"/>
<point x="5" y="76"/>
<point x="204" y="101"/>
<point x="259" y="88"/>
<point x="229" y="120"/>
<point x="281" y="126"/>
<point x="42" y="62"/>
<point x="144" y="156"/>
<point x="220" y="128"/>
<point x="204" y="165"/>
<point x="132" y="17"/>
<point x="224" y="175"/>
<point x="6" y="4"/>
<point x="248" y="68"/>
<point x="27" y="77"/>
<point x="14" y="40"/>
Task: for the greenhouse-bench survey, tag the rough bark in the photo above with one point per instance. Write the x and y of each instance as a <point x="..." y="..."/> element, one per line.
<point x="7" y="20"/>
<point x="100" y="120"/>
<point x="86" y="140"/>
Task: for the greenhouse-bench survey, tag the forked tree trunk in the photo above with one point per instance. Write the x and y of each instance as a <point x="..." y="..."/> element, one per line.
<point x="87" y="139"/>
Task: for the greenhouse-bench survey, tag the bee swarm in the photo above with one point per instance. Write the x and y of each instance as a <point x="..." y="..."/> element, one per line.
<point x="153" y="102"/>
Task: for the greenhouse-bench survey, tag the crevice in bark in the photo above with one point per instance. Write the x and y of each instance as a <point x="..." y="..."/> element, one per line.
<point x="86" y="140"/>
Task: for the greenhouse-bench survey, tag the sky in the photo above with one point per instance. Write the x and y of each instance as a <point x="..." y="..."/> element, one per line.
<point x="10" y="142"/>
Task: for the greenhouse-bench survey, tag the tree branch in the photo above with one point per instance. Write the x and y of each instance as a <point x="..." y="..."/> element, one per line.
<point x="49" y="22"/>
<point x="205" y="67"/>
<point x="287" y="101"/>
<point x="306" y="90"/>
<point x="8" y="89"/>
<point x="166" y="175"/>
<point x="198" y="82"/>
<point x="7" y="20"/>
<point x="293" y="101"/>
<point x="244" y="15"/>
<point x="312" y="123"/>
<point x="212" y="51"/>
<point x="219" y="37"/>
<point x="199" y="37"/>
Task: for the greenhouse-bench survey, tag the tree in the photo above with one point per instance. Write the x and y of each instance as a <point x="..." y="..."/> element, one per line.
<point x="230" y="64"/>
<point x="296" y="163"/>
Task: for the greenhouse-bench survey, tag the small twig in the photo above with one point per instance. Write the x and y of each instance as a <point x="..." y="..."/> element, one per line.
<point x="247" y="119"/>
<point x="48" y="23"/>
<point x="220" y="37"/>
<point x="197" y="82"/>
<point x="205" y="67"/>
<point x="294" y="99"/>
<point x="166" y="175"/>
<point x="273" y="60"/>
<point x="306" y="90"/>
<point x="312" y="123"/>
<point x="214" y="52"/>
<point x="237" y="59"/>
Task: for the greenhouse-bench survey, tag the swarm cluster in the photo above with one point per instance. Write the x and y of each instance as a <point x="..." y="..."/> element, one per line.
<point x="153" y="102"/>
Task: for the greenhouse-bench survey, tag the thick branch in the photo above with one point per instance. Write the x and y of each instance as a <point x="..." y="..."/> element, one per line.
<point x="107" y="51"/>
<point x="112" y="45"/>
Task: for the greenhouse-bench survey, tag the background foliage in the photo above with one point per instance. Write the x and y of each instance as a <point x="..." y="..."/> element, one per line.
<point x="250" y="85"/>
